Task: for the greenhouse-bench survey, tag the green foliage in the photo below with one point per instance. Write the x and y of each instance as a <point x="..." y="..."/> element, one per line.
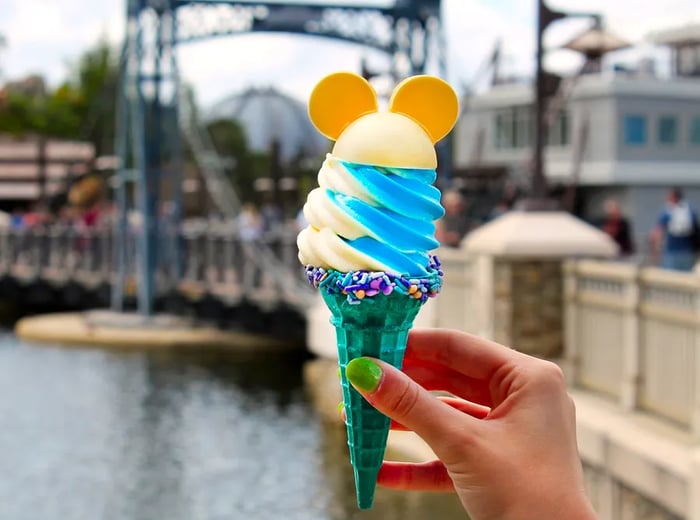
<point x="17" y="114"/>
<point x="245" y="166"/>
<point x="96" y="79"/>
<point x="83" y="107"/>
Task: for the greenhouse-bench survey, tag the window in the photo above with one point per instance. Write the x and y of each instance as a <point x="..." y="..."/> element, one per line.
<point x="694" y="131"/>
<point x="688" y="60"/>
<point x="514" y="128"/>
<point x="524" y="126"/>
<point x="668" y="130"/>
<point x="635" y="128"/>
<point x="504" y="130"/>
<point x="559" y="132"/>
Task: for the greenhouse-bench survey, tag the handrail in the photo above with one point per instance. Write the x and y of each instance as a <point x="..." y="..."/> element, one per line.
<point x="224" y="196"/>
<point x="212" y="252"/>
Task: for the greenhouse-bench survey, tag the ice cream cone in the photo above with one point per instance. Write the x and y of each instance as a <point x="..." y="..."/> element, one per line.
<point x="377" y="328"/>
<point x="371" y="228"/>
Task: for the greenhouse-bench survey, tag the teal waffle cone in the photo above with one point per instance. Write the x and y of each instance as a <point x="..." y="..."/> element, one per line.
<point x="377" y="327"/>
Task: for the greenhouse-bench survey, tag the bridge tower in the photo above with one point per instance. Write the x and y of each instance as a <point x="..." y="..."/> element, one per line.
<point x="148" y="137"/>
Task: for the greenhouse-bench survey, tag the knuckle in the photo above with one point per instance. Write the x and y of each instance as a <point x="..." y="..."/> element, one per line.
<point x="550" y="375"/>
<point x="405" y="400"/>
<point x="456" y="445"/>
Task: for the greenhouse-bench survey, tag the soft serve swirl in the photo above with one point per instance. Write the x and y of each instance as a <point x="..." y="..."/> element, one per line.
<point x="364" y="217"/>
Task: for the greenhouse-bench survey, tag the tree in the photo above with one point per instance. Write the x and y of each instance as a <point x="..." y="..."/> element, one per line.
<point x="95" y="84"/>
<point x="83" y="107"/>
<point x="230" y="142"/>
<point x="17" y="114"/>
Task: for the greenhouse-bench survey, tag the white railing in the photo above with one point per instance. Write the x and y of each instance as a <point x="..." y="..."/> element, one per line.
<point x="454" y="305"/>
<point x="634" y="334"/>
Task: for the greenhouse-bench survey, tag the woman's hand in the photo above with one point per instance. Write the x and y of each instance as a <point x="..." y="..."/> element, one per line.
<point x="507" y="446"/>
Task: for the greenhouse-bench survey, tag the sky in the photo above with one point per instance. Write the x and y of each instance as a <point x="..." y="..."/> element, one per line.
<point x="45" y="36"/>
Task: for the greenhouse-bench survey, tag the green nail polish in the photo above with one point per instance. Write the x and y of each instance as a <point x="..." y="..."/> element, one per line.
<point x="364" y="374"/>
<point x="340" y="406"/>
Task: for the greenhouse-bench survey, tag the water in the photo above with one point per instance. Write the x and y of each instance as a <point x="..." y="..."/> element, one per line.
<point x="93" y="434"/>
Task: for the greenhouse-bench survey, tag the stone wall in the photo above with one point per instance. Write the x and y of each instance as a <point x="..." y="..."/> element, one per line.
<point x="528" y="305"/>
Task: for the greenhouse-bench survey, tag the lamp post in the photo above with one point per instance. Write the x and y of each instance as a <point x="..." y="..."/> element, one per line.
<point x="545" y="17"/>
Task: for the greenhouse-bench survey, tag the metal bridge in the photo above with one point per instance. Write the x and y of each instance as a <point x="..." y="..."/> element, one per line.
<point x="223" y="278"/>
<point x="152" y="106"/>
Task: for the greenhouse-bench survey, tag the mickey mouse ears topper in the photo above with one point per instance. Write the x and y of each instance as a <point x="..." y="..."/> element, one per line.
<point x="422" y="110"/>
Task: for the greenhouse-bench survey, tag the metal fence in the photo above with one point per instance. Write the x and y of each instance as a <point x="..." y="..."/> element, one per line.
<point x="214" y="260"/>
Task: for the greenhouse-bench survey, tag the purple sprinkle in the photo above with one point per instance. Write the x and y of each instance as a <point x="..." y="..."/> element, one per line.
<point x="374" y="282"/>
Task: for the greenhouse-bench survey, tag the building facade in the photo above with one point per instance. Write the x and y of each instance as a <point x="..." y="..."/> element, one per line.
<point x="626" y="135"/>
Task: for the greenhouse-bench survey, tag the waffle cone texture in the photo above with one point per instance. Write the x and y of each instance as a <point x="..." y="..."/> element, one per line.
<point x="376" y="328"/>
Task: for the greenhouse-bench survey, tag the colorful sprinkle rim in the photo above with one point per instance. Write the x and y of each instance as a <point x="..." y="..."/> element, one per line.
<point x="364" y="285"/>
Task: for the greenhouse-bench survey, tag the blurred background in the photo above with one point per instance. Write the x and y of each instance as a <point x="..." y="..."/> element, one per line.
<point x="161" y="353"/>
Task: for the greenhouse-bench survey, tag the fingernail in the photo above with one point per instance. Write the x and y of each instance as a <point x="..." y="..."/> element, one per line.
<point x="340" y="406"/>
<point x="338" y="373"/>
<point x="364" y="374"/>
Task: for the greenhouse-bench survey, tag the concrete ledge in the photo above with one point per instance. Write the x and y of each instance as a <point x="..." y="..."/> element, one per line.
<point x="645" y="454"/>
<point x="130" y="331"/>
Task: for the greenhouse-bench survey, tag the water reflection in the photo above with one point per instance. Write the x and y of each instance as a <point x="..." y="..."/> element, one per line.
<point x="89" y="434"/>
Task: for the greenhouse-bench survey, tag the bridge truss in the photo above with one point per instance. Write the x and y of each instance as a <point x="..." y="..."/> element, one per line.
<point x="148" y="135"/>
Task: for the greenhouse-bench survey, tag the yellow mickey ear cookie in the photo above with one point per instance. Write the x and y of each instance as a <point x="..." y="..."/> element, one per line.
<point x="429" y="101"/>
<point x="338" y="100"/>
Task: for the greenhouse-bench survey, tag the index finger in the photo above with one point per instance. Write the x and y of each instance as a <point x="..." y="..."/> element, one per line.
<point x="465" y="353"/>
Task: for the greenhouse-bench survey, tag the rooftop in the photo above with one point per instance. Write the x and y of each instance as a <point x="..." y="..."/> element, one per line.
<point x="268" y="115"/>
<point x="687" y="34"/>
<point x="593" y="85"/>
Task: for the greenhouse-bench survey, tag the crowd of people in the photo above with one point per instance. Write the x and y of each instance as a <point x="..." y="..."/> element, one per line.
<point x="79" y="218"/>
<point x="673" y="243"/>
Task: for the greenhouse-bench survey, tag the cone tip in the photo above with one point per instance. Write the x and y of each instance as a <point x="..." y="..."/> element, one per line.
<point x="365" y="484"/>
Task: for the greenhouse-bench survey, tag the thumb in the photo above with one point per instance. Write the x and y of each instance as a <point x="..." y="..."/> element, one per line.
<point x="399" y="397"/>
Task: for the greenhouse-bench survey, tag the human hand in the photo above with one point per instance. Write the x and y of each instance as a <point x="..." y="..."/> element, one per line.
<point x="507" y="446"/>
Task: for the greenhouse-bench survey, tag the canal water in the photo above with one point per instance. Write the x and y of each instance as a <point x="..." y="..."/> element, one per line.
<point x="89" y="434"/>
